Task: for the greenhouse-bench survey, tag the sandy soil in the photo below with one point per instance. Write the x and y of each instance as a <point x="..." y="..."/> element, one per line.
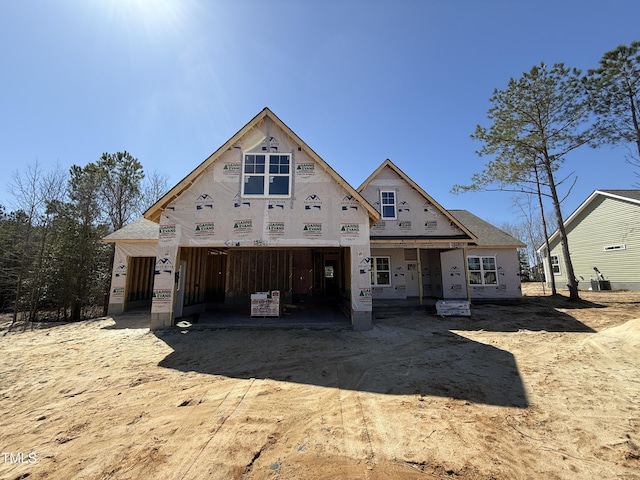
<point x="544" y="389"/>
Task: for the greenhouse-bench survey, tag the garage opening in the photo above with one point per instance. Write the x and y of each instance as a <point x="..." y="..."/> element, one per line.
<point x="204" y="271"/>
<point x="139" y="285"/>
<point x="222" y="280"/>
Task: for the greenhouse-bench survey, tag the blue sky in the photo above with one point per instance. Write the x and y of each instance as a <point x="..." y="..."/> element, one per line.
<point x="359" y="81"/>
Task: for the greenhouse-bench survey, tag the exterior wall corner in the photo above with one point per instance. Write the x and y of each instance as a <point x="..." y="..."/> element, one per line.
<point x="160" y="321"/>
<point x="361" y="320"/>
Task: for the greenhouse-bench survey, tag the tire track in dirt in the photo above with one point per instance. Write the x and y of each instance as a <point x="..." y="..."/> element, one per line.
<point x="382" y="447"/>
<point x="244" y="432"/>
<point x="195" y="425"/>
<point x="356" y="438"/>
<point x="247" y="433"/>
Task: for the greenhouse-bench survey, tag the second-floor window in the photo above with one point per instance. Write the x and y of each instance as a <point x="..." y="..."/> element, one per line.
<point x="266" y="175"/>
<point x="388" y="204"/>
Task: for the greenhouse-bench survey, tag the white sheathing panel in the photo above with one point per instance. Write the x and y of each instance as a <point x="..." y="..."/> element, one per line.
<point x="361" y="278"/>
<point x="454" y="279"/>
<point x="415" y="214"/>
<point x="397" y="289"/>
<point x="453" y="274"/>
<point x="164" y="279"/>
<point x="509" y="285"/>
<point x="124" y="250"/>
<point x="319" y="212"/>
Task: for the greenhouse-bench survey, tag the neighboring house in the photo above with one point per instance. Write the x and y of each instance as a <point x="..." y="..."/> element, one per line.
<point x="604" y="234"/>
<point x="264" y="212"/>
<point x="418" y="248"/>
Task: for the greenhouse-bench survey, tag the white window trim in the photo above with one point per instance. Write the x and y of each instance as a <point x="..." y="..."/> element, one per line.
<point x="395" y="205"/>
<point x="374" y="271"/>
<point x="559" y="272"/>
<point x="613" y="248"/>
<point x="483" y="271"/>
<point x="266" y="175"/>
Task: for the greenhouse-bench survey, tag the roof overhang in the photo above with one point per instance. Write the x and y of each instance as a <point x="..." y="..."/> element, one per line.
<point x="418" y="242"/>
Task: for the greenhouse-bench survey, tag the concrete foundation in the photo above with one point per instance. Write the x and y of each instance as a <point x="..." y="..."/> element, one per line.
<point x="161" y="320"/>
<point x="361" y="320"/>
<point x="586" y="285"/>
<point x="635" y="286"/>
<point x="114" y="309"/>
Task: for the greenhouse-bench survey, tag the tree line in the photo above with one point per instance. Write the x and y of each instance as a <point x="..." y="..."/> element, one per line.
<point x="550" y="111"/>
<point x="54" y="264"/>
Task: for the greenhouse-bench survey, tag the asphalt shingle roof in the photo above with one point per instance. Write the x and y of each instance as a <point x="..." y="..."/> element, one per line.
<point x="140" y="230"/>
<point x="488" y="235"/>
<point x="633" y="194"/>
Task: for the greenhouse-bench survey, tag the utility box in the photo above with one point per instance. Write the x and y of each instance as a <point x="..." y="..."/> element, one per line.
<point x="597" y="285"/>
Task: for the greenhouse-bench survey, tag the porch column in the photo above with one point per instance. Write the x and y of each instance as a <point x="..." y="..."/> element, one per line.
<point x="420" y="285"/>
<point x="466" y="272"/>
<point x="361" y="287"/>
<point x="167" y="264"/>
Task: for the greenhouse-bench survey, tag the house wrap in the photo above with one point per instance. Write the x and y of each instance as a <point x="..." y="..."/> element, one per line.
<point x="265" y="213"/>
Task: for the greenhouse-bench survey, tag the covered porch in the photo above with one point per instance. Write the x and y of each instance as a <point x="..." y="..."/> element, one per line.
<point x="418" y="271"/>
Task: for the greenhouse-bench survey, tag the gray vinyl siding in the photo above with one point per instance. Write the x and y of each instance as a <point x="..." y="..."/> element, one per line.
<point x="606" y="222"/>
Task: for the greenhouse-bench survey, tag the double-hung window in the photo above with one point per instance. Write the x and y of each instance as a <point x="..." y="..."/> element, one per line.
<point x="266" y="175"/>
<point x="555" y="265"/>
<point x="482" y="270"/>
<point x="388" y="204"/>
<point x="381" y="271"/>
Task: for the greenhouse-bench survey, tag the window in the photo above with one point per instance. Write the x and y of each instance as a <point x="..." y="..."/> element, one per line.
<point x="482" y="270"/>
<point x="381" y="271"/>
<point x="266" y="175"/>
<point x="555" y="264"/>
<point x="388" y="204"/>
<point x="611" y="248"/>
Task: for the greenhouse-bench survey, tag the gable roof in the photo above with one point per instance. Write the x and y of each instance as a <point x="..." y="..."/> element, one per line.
<point x="389" y="164"/>
<point x="153" y="213"/>
<point x="487" y="234"/>
<point x="632" y="196"/>
<point x="141" y="230"/>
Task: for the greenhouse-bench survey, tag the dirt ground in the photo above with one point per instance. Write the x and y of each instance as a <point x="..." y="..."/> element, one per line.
<point x="544" y="389"/>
